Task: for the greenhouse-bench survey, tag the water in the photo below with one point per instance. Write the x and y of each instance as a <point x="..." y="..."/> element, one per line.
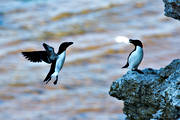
<point x="93" y="62"/>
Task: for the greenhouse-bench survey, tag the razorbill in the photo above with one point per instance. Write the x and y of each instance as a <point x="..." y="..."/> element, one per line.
<point x="49" y="56"/>
<point x="135" y="57"/>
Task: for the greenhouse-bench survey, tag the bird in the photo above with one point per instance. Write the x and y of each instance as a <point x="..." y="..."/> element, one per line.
<point x="135" y="57"/>
<point x="50" y="57"/>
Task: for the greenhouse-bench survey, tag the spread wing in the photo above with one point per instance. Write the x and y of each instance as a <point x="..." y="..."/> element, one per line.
<point x="37" y="56"/>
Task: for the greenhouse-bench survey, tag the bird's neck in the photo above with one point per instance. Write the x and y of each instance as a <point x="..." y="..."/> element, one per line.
<point x="138" y="48"/>
<point x="64" y="52"/>
<point x="61" y="51"/>
<point x="140" y="45"/>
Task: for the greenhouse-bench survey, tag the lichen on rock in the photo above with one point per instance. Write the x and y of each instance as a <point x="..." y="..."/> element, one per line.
<point x="153" y="95"/>
<point x="172" y="8"/>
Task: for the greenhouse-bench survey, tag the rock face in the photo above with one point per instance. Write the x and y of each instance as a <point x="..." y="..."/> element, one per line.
<point x="153" y="95"/>
<point x="172" y="8"/>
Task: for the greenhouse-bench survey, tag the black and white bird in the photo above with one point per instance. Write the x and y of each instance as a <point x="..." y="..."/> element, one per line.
<point x="49" y="56"/>
<point x="136" y="56"/>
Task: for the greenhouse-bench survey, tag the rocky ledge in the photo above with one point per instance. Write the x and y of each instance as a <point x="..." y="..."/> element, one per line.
<point x="172" y="8"/>
<point x="153" y="95"/>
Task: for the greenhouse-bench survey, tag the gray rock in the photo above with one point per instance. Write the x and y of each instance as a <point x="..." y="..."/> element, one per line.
<point x="153" y="95"/>
<point x="172" y="8"/>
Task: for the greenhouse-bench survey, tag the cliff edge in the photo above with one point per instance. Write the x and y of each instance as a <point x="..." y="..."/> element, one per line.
<point x="153" y="95"/>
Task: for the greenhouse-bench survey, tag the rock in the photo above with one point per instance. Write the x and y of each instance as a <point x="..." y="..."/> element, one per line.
<point x="172" y="8"/>
<point x="153" y="95"/>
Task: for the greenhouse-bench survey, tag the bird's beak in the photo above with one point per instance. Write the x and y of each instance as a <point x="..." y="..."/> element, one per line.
<point x="131" y="40"/>
<point x="70" y="43"/>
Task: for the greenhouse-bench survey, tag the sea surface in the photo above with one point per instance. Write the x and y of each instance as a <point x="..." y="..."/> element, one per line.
<point x="93" y="62"/>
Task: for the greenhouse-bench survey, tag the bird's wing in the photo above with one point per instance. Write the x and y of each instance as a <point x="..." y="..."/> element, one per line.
<point x="37" y="56"/>
<point x="50" y="51"/>
<point x="48" y="48"/>
<point x="127" y="64"/>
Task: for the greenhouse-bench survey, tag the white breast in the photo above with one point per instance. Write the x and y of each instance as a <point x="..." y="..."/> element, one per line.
<point x="135" y="58"/>
<point x="59" y="63"/>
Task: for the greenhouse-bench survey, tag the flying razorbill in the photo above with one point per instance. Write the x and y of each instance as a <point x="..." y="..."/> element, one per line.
<point x="136" y="56"/>
<point x="49" y="56"/>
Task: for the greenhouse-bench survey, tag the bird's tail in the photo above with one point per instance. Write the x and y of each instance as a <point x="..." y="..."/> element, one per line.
<point x="127" y="64"/>
<point x="47" y="79"/>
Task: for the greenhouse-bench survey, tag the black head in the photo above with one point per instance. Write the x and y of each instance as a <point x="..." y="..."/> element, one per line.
<point x="64" y="46"/>
<point x="136" y="42"/>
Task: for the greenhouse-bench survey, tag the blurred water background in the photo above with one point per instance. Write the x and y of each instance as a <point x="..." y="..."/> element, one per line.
<point x="92" y="63"/>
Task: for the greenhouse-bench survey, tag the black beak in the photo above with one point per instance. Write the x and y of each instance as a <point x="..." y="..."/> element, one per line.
<point x="131" y="40"/>
<point x="70" y="43"/>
